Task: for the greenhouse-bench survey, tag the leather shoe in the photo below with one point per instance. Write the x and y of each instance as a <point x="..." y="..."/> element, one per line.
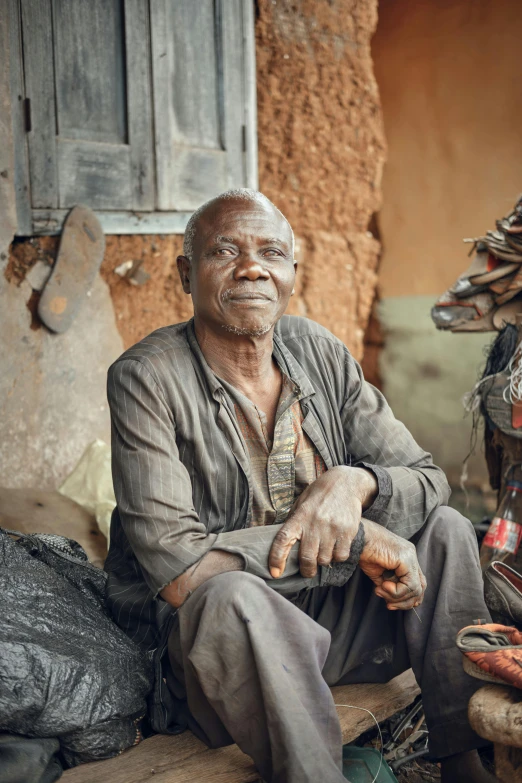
<point x="492" y="652"/>
<point x="503" y="593"/>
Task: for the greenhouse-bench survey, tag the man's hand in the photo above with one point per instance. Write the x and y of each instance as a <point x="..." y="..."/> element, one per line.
<point x="325" y="520"/>
<point x="384" y="551"/>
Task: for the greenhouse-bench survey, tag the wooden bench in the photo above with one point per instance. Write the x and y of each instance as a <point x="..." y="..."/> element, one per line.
<point x="185" y="759"/>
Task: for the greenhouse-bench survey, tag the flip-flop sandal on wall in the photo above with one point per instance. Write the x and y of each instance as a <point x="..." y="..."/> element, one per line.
<point x="80" y="254"/>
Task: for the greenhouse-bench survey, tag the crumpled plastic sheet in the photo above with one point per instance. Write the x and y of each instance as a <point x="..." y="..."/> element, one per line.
<point x="66" y="669"/>
<point x="90" y="484"/>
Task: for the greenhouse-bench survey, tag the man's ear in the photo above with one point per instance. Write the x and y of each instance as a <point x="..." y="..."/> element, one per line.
<point x="183" y="264"/>
<point x="295" y="272"/>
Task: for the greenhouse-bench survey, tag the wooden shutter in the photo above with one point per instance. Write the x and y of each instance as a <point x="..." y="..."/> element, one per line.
<point x="87" y="77"/>
<point x="199" y="64"/>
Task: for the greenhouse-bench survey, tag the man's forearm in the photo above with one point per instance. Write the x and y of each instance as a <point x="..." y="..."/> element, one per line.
<point x="252" y="545"/>
<point x="213" y="563"/>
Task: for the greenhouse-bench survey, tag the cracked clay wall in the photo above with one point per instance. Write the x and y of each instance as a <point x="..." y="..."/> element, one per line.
<point x="321" y="151"/>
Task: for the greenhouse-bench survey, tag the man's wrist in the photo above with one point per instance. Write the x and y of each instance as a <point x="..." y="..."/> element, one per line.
<point x="376" y="536"/>
<point x="363" y="484"/>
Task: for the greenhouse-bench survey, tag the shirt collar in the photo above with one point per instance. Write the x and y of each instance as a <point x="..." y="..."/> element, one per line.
<point x="282" y="355"/>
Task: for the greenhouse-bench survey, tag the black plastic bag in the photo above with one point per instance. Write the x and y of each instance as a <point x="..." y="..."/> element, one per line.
<point x="66" y="669"/>
<point x="25" y="760"/>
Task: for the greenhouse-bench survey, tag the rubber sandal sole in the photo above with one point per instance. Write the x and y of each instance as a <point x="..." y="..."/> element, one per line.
<point x="80" y="254"/>
<point x="475" y="671"/>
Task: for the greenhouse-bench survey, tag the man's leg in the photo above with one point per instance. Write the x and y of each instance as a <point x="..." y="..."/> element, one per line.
<point x="372" y="644"/>
<point x="251" y="664"/>
<point x="448" y="555"/>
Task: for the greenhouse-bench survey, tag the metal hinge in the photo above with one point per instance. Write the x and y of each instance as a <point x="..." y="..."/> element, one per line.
<point x="27" y="115"/>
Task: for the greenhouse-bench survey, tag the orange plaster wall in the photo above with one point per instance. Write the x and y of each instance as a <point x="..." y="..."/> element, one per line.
<point x="449" y="78"/>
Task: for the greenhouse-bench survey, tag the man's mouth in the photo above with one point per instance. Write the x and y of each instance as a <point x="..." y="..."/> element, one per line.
<point x="246" y="296"/>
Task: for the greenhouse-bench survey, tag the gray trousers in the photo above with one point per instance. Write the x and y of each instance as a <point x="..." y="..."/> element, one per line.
<point x="255" y="666"/>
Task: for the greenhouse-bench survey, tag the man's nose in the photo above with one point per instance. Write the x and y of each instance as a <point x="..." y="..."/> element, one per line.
<point x="249" y="268"/>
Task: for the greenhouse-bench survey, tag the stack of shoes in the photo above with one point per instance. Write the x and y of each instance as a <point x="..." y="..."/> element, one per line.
<point x="488" y="295"/>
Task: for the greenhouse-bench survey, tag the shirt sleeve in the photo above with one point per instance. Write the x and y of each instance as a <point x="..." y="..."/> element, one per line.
<point x="410" y="486"/>
<point x="253" y="545"/>
<point x="152" y="486"/>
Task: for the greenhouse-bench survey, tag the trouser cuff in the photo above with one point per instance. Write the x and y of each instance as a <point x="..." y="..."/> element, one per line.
<point x="452" y="737"/>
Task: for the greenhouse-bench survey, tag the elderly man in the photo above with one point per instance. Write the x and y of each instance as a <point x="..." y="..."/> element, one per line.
<point x="264" y="491"/>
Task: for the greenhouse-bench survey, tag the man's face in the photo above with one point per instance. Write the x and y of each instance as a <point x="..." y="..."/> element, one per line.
<point x="242" y="272"/>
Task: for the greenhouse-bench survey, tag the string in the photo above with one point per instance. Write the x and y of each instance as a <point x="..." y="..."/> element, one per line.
<point x="513" y="392"/>
<point x="471" y="400"/>
<point x="353" y="707"/>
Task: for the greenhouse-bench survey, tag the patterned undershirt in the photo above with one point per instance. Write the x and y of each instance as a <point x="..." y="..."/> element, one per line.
<point x="280" y="469"/>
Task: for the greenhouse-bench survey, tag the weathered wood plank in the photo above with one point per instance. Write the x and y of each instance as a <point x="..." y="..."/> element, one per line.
<point x="39" y="84"/>
<point x="97" y="175"/>
<point x="197" y="175"/>
<point x="233" y="90"/>
<point x="92" y="139"/>
<point x="187" y="80"/>
<point x="199" y="70"/>
<point x="185" y="759"/>
<point x="381" y="699"/>
<point x="249" y="56"/>
<point x="161" y="104"/>
<point x="49" y="222"/>
<point x="19" y="172"/>
<point x="194" y="73"/>
<point x="139" y="103"/>
<point x="181" y="759"/>
<point x="89" y="57"/>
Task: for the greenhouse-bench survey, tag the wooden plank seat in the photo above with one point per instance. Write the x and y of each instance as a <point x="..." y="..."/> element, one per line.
<point x="185" y="759"/>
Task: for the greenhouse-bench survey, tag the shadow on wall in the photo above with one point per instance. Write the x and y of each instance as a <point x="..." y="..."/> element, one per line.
<point x="426" y="375"/>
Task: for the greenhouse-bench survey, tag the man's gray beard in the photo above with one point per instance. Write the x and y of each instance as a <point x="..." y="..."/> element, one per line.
<point x="244" y="332"/>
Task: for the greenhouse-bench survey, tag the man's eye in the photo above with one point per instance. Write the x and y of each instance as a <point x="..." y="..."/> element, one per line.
<point x="272" y="251"/>
<point x="224" y="251"/>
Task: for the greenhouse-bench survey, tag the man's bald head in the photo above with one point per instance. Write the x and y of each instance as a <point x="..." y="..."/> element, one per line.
<point x="238" y="194"/>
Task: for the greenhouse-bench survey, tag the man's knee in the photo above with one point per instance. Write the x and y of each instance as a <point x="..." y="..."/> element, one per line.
<point x="445" y="524"/>
<point x="233" y="588"/>
<point x="449" y="530"/>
